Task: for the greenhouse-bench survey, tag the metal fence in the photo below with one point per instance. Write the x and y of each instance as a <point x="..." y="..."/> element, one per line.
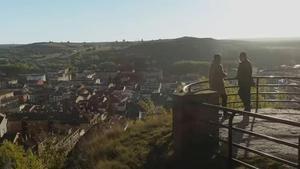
<point x="286" y="83"/>
<point x="288" y="86"/>
<point x="232" y="113"/>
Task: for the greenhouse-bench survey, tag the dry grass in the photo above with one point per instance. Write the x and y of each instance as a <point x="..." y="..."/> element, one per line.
<point x="145" y="144"/>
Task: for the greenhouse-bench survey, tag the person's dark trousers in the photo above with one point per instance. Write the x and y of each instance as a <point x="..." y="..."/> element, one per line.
<point x="245" y="95"/>
<point x="224" y="100"/>
<point x="224" y="104"/>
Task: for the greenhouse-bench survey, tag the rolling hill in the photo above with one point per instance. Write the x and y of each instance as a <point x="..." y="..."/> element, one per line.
<point x="159" y="53"/>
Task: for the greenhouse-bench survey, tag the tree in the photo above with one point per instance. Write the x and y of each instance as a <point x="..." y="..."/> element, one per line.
<point x="14" y="157"/>
<point x="147" y="106"/>
<point x="52" y="157"/>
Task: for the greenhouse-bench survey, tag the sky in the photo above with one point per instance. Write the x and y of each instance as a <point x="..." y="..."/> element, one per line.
<point x="28" y="21"/>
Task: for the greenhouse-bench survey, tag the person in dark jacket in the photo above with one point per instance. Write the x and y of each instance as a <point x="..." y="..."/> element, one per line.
<point x="216" y="80"/>
<point x="245" y="81"/>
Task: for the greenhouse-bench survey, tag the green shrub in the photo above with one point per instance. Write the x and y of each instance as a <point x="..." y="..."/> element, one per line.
<point x="14" y="156"/>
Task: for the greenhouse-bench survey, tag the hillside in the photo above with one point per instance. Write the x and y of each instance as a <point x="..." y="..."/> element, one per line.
<point x="202" y="49"/>
<point x="184" y="48"/>
<point x="143" y="145"/>
<point x="163" y="54"/>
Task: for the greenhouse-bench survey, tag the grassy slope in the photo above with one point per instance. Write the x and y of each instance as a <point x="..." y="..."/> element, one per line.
<point x="142" y="145"/>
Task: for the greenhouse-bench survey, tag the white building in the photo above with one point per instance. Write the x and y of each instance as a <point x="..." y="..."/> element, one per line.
<point x="3" y="124"/>
<point x="36" y="77"/>
<point x="4" y="94"/>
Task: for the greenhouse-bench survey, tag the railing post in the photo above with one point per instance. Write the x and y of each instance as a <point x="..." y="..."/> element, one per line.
<point x="230" y="141"/>
<point x="195" y="140"/>
<point x="257" y="94"/>
<point x="299" y="152"/>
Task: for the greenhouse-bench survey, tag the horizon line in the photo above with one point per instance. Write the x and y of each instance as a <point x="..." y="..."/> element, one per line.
<point x="148" y="40"/>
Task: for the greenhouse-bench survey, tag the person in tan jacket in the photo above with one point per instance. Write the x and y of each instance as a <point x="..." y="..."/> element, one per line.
<point x="216" y="80"/>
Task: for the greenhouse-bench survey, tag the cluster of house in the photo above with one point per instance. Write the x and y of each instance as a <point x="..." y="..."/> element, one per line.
<point x="35" y="107"/>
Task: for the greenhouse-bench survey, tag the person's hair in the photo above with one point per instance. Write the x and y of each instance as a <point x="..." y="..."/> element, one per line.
<point x="243" y="54"/>
<point x="217" y="56"/>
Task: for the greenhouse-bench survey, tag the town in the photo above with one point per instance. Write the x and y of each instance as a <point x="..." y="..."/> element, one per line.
<point x="62" y="104"/>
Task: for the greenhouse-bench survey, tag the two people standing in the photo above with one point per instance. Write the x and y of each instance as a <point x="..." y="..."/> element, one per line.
<point x="244" y="77"/>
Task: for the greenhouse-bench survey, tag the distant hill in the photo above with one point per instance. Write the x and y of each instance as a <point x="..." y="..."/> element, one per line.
<point x="202" y="49"/>
<point x="160" y="53"/>
<point x="45" y="48"/>
<point x="176" y="49"/>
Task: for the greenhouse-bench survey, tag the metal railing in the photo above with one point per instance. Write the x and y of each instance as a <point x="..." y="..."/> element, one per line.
<point x="231" y="144"/>
<point x="286" y="82"/>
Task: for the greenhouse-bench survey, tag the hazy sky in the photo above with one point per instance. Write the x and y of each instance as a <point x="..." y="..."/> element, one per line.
<point x="26" y="21"/>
